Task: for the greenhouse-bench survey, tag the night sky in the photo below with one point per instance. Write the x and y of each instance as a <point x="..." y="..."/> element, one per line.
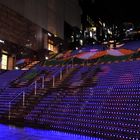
<point x="114" y="11"/>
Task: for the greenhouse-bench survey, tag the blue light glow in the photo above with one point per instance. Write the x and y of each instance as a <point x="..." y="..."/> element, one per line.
<point x="14" y="133"/>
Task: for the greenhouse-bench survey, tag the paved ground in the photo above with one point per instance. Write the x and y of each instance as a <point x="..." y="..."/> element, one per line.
<point x="14" y="133"/>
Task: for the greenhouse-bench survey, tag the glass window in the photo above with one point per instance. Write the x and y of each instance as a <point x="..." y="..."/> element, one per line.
<point x="4" y="61"/>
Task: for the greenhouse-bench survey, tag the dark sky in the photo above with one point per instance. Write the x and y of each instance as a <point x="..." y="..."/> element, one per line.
<point x="113" y="10"/>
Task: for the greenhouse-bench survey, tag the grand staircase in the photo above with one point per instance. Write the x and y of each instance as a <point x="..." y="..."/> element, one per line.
<point x="101" y="100"/>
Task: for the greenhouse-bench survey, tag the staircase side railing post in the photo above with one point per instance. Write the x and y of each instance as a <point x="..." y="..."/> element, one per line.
<point x="9" y="113"/>
<point x="43" y="81"/>
<point x="23" y="102"/>
<point x="61" y="74"/>
<point x="53" y="80"/>
<point x="35" y="87"/>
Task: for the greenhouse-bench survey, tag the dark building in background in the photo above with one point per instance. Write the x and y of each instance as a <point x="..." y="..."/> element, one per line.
<point x="73" y="36"/>
<point x="91" y="28"/>
<point x="32" y="25"/>
<point x="107" y="23"/>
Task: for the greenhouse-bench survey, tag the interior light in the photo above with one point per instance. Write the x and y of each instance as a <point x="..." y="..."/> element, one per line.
<point x="81" y="42"/>
<point x="90" y="33"/>
<point x="46" y="58"/>
<point x="1" y="41"/>
<point x="16" y="68"/>
<point x="49" y="34"/>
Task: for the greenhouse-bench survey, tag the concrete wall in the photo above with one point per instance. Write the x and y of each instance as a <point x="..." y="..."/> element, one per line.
<point x="34" y="10"/>
<point x="49" y="14"/>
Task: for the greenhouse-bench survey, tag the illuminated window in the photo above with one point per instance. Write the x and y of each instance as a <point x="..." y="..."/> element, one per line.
<point x="90" y="34"/>
<point x="94" y="29"/>
<point x="81" y="42"/>
<point x="4" y="61"/>
<point x="72" y="38"/>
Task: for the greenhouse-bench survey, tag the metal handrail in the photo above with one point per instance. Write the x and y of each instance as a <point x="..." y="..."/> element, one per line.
<point x="23" y="103"/>
<point x="61" y="71"/>
<point x="23" y="94"/>
<point x="16" y="97"/>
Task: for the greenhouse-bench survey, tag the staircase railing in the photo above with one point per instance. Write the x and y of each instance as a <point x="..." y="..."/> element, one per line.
<point x="35" y="83"/>
<point x="23" y="94"/>
<point x="60" y="72"/>
<point x="10" y="103"/>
